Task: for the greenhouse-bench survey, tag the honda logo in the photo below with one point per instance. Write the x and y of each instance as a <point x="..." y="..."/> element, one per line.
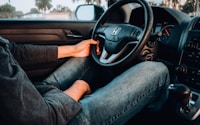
<point x="116" y="30"/>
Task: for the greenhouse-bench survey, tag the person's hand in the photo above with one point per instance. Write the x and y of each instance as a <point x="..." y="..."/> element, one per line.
<point x="78" y="90"/>
<point x="82" y="49"/>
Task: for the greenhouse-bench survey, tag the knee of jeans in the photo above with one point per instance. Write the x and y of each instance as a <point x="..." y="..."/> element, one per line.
<point x="158" y="69"/>
<point x="158" y="66"/>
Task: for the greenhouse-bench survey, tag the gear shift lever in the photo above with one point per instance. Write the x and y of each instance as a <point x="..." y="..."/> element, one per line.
<point x="183" y="95"/>
<point x="183" y="103"/>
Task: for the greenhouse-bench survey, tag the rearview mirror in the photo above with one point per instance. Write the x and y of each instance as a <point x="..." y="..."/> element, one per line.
<point x="88" y="12"/>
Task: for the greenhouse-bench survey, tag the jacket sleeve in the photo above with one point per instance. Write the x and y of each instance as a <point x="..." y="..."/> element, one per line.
<point x="33" y="54"/>
<point x="22" y="104"/>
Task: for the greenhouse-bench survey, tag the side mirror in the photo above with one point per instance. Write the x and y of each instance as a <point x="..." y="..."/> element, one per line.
<point x="88" y="12"/>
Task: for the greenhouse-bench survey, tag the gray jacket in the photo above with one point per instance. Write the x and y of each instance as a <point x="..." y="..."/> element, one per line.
<point x="25" y="103"/>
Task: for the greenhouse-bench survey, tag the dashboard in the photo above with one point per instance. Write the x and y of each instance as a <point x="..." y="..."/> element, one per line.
<point x="168" y="26"/>
<point x="168" y="23"/>
<point x="188" y="70"/>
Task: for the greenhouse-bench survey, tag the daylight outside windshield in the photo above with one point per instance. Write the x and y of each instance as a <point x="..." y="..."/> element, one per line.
<point x="64" y="9"/>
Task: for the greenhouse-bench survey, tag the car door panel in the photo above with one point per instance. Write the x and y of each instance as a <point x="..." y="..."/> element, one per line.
<point x="55" y="32"/>
<point x="45" y="33"/>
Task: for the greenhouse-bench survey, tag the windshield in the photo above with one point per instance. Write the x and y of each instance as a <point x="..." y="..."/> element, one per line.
<point x="64" y="9"/>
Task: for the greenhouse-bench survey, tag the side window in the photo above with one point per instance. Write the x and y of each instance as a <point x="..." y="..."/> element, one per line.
<point x="44" y="9"/>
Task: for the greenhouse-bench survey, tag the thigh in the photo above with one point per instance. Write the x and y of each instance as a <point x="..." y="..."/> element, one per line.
<point x="66" y="74"/>
<point x="124" y="96"/>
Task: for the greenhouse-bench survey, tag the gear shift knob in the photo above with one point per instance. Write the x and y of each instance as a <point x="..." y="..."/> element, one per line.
<point x="184" y="102"/>
<point x="182" y="94"/>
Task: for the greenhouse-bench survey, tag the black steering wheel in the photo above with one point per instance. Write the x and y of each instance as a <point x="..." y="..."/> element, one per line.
<point x="120" y="42"/>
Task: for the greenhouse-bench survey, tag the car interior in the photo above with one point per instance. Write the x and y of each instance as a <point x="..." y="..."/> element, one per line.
<point x="147" y="33"/>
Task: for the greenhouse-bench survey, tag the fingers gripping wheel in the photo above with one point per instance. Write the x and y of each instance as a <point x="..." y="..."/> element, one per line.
<point x="121" y="42"/>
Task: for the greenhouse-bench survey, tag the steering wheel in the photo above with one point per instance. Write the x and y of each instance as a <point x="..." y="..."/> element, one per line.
<point x="122" y="42"/>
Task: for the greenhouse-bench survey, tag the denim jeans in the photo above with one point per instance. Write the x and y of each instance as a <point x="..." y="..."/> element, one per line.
<point x="121" y="96"/>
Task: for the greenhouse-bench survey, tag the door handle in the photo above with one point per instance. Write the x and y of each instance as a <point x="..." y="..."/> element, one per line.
<point x="72" y="36"/>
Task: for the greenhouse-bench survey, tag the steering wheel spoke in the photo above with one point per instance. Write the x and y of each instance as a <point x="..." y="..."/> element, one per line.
<point x="107" y="58"/>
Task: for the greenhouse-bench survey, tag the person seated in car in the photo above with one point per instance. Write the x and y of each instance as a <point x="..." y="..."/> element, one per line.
<point x="67" y="95"/>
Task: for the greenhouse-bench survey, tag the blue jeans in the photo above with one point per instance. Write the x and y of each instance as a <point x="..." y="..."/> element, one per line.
<point x="121" y="97"/>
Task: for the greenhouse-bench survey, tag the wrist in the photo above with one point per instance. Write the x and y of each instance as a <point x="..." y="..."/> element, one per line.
<point x="83" y="86"/>
<point x="78" y="90"/>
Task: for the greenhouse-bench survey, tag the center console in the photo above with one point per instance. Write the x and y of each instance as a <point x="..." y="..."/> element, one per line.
<point x="188" y="70"/>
